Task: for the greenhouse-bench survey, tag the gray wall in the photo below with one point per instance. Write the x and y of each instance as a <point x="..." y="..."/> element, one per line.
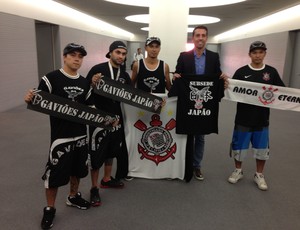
<point x="295" y="60"/>
<point x="48" y="49"/>
<point x="96" y="46"/>
<point x="18" y="63"/>
<point x="235" y="54"/>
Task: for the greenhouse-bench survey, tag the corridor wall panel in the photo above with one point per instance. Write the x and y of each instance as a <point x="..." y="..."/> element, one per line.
<point x="18" y="63"/>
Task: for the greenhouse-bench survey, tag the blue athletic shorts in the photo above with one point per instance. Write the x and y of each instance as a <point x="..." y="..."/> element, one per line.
<point x="243" y="136"/>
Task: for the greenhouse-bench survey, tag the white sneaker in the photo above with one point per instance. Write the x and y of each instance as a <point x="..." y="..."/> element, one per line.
<point x="260" y="181"/>
<point x="235" y="176"/>
<point x="128" y="178"/>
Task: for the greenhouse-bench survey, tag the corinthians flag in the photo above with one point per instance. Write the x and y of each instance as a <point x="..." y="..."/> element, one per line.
<point x="155" y="151"/>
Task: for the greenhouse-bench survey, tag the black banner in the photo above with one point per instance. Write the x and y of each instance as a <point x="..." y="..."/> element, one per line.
<point x="128" y="94"/>
<point x="56" y="106"/>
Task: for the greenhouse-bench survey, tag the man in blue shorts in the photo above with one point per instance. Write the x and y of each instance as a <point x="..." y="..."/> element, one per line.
<point x="252" y="122"/>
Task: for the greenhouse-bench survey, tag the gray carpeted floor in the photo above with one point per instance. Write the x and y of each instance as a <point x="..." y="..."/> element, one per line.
<point x="156" y="204"/>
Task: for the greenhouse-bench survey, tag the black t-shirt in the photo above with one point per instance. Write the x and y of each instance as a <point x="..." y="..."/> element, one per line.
<point x="252" y="115"/>
<point x="198" y="103"/>
<point x="73" y="88"/>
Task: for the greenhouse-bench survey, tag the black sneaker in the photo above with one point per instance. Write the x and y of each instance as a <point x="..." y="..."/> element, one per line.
<point x="112" y="183"/>
<point x="95" y="197"/>
<point x="47" y="221"/>
<point x="78" y="202"/>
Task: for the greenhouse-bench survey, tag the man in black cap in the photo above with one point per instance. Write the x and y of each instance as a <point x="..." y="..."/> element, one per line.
<point x="251" y="121"/>
<point x="104" y="146"/>
<point x="151" y="74"/>
<point x="68" y="153"/>
<point x="72" y="47"/>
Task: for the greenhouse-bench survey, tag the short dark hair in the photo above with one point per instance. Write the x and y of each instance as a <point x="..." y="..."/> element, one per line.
<point x="200" y="27"/>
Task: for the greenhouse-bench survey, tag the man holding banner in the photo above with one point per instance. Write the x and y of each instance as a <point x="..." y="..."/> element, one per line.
<point x="198" y="61"/>
<point x="251" y="121"/>
<point x="151" y="74"/>
<point x="68" y="153"/>
<point x="104" y="146"/>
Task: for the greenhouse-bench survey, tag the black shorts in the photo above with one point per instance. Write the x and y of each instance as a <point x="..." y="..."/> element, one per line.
<point x="67" y="157"/>
<point x="103" y="145"/>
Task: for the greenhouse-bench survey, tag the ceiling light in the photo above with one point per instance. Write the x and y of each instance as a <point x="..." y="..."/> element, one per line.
<point x="140" y="18"/>
<point x="189" y="29"/>
<point x="192" y="19"/>
<point x="270" y="24"/>
<point x="200" y="19"/>
<point x="191" y="3"/>
<point x="56" y="13"/>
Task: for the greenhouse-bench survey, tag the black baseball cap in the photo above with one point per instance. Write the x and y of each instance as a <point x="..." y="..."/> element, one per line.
<point x="152" y="39"/>
<point x="257" y="45"/>
<point x="115" y="45"/>
<point x="71" y="47"/>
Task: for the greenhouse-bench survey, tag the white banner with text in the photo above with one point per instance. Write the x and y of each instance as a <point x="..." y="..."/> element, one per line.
<point x="271" y="96"/>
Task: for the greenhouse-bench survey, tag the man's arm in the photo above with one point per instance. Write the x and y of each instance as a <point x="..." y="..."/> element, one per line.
<point x="277" y="79"/>
<point x="134" y="74"/>
<point x="167" y="76"/>
<point x="179" y="68"/>
<point x="134" y="57"/>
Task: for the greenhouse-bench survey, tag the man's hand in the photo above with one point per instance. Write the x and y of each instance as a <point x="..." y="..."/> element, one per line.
<point x="225" y="79"/>
<point x="96" y="78"/>
<point x="163" y="103"/>
<point x="28" y="97"/>
<point x="116" y="122"/>
<point x="175" y="76"/>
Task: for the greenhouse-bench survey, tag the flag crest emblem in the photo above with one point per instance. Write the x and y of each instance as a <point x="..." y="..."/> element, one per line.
<point x="156" y="141"/>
